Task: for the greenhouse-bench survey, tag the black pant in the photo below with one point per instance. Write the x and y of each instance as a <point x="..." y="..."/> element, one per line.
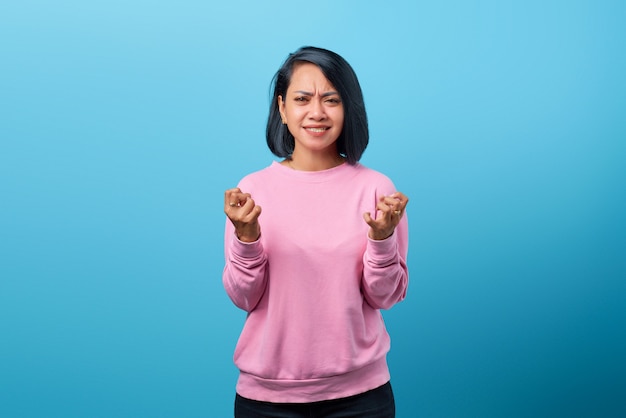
<point x="376" y="403"/>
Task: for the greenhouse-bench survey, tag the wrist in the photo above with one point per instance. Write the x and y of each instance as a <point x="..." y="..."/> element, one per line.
<point x="378" y="236"/>
<point x="245" y="237"/>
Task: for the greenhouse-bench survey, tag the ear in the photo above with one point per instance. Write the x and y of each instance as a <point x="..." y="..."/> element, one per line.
<point x="281" y="109"/>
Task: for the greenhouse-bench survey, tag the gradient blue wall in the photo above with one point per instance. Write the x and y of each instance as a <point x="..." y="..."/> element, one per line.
<point x="121" y="123"/>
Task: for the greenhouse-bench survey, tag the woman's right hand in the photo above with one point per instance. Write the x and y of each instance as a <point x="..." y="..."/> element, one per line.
<point x="243" y="213"/>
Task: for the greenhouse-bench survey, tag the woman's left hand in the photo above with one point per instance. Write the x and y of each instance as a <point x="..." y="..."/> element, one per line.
<point x="389" y="211"/>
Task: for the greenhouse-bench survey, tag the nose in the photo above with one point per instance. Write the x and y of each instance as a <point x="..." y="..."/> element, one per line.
<point x="317" y="110"/>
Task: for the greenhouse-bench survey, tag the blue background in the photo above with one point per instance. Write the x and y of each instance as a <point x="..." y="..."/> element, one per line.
<point x="122" y="123"/>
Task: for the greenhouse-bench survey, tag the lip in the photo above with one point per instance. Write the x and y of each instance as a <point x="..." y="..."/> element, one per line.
<point x="316" y="130"/>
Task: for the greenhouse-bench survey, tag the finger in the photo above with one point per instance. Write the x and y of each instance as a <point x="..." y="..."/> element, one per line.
<point x="398" y="195"/>
<point x="254" y="214"/>
<point x="234" y="207"/>
<point x="244" y="216"/>
<point x="396" y="202"/>
<point x="374" y="224"/>
<point x="401" y="198"/>
<point x="228" y="193"/>
<point x="396" y="207"/>
<point x="237" y="199"/>
<point x="379" y="222"/>
<point x="384" y="209"/>
<point x="228" y="196"/>
<point x="396" y="211"/>
<point x="368" y="218"/>
<point x="389" y="212"/>
<point x="392" y="202"/>
<point x="249" y="211"/>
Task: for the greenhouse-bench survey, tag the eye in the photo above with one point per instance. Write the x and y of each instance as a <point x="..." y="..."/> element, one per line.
<point x="301" y="99"/>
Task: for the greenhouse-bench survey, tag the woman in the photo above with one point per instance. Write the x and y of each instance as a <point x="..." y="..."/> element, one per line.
<point x="314" y="267"/>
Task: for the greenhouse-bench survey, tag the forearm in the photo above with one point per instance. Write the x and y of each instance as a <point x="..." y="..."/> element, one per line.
<point x="244" y="275"/>
<point x="385" y="271"/>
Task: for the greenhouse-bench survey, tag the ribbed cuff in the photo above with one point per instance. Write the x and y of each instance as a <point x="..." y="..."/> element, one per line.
<point x="382" y="250"/>
<point x="246" y="249"/>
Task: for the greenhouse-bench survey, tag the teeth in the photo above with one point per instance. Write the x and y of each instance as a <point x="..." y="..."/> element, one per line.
<point x="316" y="129"/>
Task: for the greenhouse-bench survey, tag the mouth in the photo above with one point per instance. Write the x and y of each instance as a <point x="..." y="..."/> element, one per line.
<point x="317" y="129"/>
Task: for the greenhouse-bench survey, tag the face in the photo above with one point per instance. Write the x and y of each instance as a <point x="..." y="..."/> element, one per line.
<point x="312" y="110"/>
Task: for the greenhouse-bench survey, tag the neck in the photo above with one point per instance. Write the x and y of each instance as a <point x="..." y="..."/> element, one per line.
<point x="299" y="162"/>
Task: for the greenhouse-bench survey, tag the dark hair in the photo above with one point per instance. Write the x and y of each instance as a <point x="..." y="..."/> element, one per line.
<point x="354" y="135"/>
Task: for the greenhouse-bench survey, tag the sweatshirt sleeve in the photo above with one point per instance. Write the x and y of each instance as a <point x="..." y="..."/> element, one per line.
<point x="385" y="272"/>
<point x="245" y="271"/>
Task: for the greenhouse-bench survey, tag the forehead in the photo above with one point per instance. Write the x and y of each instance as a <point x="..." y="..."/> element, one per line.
<point x="308" y="76"/>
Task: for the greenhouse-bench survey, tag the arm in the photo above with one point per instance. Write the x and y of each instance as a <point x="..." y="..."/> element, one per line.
<point x="385" y="272"/>
<point x="245" y="272"/>
<point x="244" y="275"/>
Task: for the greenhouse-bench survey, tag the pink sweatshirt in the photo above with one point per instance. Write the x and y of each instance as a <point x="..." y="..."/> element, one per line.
<point x="313" y="285"/>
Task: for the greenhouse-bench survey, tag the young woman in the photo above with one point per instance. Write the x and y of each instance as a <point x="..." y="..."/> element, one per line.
<point x="315" y="246"/>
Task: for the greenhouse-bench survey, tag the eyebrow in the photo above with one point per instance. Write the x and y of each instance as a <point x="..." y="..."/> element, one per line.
<point x="308" y="93"/>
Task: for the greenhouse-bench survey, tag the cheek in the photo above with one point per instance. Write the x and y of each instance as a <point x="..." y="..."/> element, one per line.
<point x="293" y="113"/>
<point x="339" y="118"/>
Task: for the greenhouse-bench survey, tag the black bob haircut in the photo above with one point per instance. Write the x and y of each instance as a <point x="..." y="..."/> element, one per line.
<point x="354" y="135"/>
